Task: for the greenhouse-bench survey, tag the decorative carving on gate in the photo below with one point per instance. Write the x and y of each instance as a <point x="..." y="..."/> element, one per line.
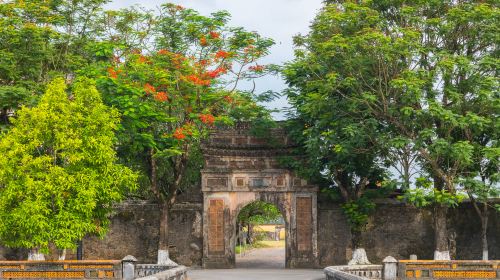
<point x="304" y="224"/>
<point x="216" y="226"/>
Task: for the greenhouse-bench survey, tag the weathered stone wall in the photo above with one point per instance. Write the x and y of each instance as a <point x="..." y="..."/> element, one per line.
<point x="465" y="221"/>
<point x="133" y="231"/>
<point x="395" y="229"/>
<point x="400" y="230"/>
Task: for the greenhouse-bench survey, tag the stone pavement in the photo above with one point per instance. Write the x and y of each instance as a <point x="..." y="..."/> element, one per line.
<point x="262" y="258"/>
<point x="256" y="274"/>
<point x="258" y="264"/>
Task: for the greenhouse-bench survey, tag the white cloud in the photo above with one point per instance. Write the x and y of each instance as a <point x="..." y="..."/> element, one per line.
<point x="277" y="19"/>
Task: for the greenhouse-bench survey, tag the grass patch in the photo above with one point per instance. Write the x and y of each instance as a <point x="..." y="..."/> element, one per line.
<point x="261" y="244"/>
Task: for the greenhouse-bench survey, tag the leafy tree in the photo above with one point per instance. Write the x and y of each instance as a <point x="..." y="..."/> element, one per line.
<point x="452" y="78"/>
<point x="174" y="92"/>
<point x="40" y="40"/>
<point x="340" y="136"/>
<point x="58" y="175"/>
<point x="481" y="179"/>
<point x="256" y="213"/>
<point x="419" y="67"/>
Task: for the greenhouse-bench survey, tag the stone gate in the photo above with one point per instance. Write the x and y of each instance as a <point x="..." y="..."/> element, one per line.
<point x="241" y="168"/>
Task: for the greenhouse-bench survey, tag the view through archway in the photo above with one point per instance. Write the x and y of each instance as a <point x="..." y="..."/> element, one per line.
<point x="261" y="236"/>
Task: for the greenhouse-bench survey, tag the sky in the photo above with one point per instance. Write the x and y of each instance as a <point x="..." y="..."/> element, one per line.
<point x="276" y="19"/>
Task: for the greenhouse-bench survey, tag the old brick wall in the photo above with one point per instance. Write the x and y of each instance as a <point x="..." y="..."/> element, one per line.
<point x="133" y="231"/>
<point x="466" y="223"/>
<point x="399" y="230"/>
<point x="395" y="229"/>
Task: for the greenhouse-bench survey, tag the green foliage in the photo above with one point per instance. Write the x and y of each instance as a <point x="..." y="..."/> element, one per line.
<point x="42" y="40"/>
<point x="58" y="172"/>
<point x="340" y="140"/>
<point x="259" y="212"/>
<point x="423" y="71"/>
<point x="380" y="83"/>
<point x="358" y="212"/>
<point x="422" y="197"/>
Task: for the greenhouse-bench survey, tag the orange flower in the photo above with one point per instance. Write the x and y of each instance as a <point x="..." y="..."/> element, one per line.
<point x="142" y="59"/>
<point x="163" y="52"/>
<point x="214" y="35"/>
<point x="149" y="89"/>
<point x="203" y="41"/>
<point x="204" y="62"/>
<point x="161" y="96"/>
<point x="228" y="98"/>
<point x="221" y="54"/>
<point x="217" y="72"/>
<point x="207" y="118"/>
<point x="112" y="73"/>
<point x="256" y="68"/>
<point x="179" y="8"/>
<point x="179" y="134"/>
<point x="198" y="81"/>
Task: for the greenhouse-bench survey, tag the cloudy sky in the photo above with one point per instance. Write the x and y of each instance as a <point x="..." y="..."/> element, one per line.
<point x="277" y="19"/>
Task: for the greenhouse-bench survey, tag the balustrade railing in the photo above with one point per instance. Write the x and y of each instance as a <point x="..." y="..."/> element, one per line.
<point x="355" y="272"/>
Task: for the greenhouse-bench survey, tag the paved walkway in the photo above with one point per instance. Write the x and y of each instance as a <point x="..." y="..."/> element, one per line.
<point x="258" y="264"/>
<point x="262" y="258"/>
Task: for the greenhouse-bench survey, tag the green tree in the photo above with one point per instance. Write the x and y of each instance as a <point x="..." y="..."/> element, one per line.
<point x="40" y="40"/>
<point x="341" y="138"/>
<point x="480" y="180"/>
<point x="58" y="173"/>
<point x="255" y="213"/>
<point x="419" y="67"/>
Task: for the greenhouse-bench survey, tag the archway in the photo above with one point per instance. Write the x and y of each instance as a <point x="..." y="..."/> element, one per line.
<point x="240" y="169"/>
<point x="260" y="236"/>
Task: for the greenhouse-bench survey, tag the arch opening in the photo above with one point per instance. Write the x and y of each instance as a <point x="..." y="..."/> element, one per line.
<point x="260" y="236"/>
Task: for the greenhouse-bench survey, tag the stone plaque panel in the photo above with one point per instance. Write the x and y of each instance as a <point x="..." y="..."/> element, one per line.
<point x="215" y="182"/>
<point x="216" y="226"/>
<point x="304" y="224"/>
<point x="240" y="182"/>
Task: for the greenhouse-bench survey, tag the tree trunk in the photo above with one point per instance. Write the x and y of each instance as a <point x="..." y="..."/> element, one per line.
<point x="35" y="255"/>
<point x="359" y="256"/>
<point x="441" y="233"/>
<point x="356" y="239"/>
<point x="79" y="250"/>
<point x="163" y="253"/>
<point x="62" y="254"/>
<point x="250" y="234"/>
<point x="484" y="232"/>
<point x="3" y="116"/>
<point x="164" y="215"/>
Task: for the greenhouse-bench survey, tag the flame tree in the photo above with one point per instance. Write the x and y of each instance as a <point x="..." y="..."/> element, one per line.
<point x="172" y="93"/>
